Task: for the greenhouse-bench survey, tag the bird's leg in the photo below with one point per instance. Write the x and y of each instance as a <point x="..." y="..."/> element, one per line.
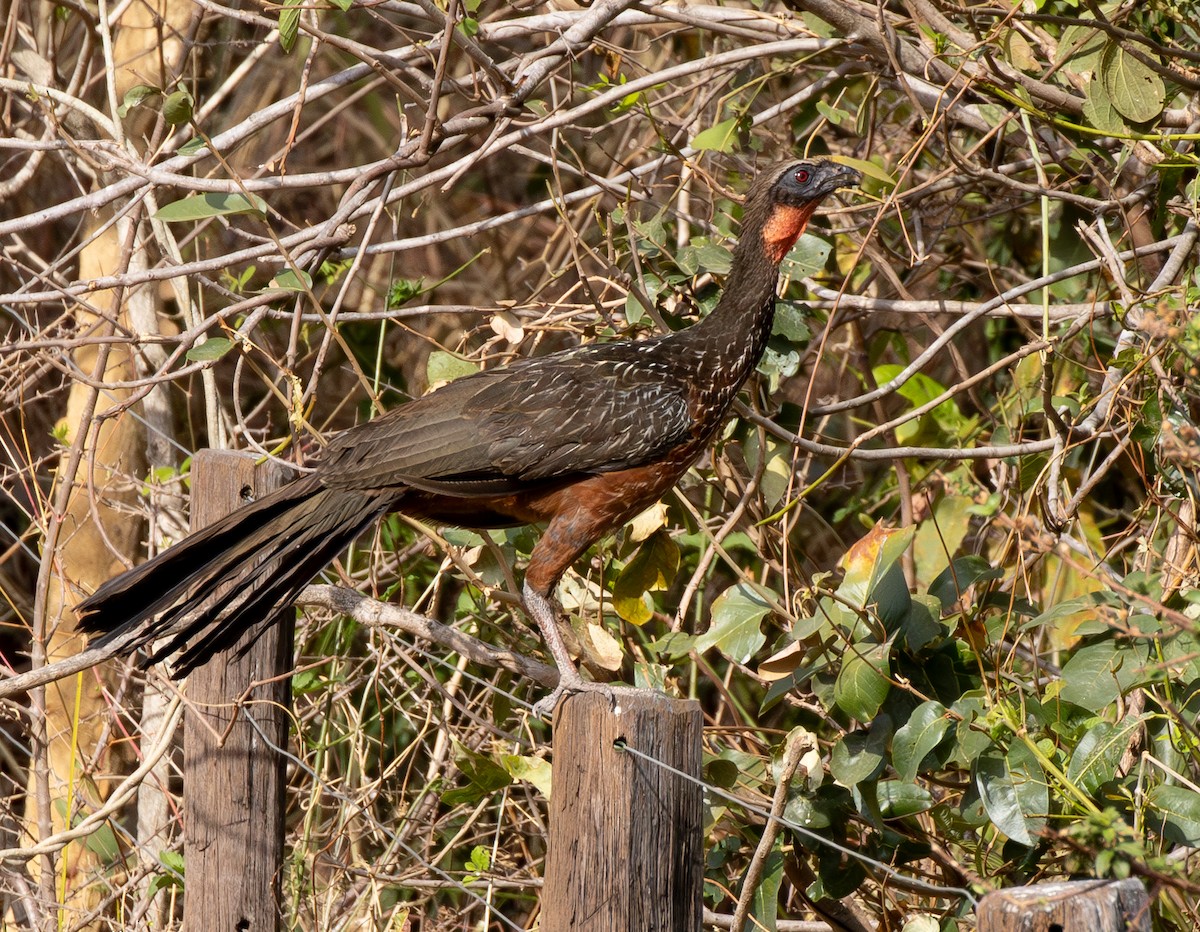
<point x="543" y="610"/>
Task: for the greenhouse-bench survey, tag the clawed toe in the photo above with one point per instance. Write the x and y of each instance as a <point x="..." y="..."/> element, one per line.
<point x="568" y="685"/>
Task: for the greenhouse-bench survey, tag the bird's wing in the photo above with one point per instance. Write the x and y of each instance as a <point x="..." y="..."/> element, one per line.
<point x="590" y="410"/>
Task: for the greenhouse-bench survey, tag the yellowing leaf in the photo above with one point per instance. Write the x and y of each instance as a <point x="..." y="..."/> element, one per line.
<point x="535" y="770"/>
<point x="648" y="522"/>
<point x="782" y="663"/>
<point x="652" y="568"/>
<point x="869" y="559"/>
<point x="505" y="324"/>
<point x="870" y="169"/>
<point x="1020" y="53"/>
<point x="600" y="648"/>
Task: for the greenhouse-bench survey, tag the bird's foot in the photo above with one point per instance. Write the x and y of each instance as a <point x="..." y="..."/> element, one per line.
<point x="569" y="683"/>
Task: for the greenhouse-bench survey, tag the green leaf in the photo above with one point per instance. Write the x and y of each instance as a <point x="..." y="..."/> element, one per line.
<point x="893" y="601"/>
<point x="480" y="860"/>
<point x="290" y="280"/>
<point x="177" y="108"/>
<point x="960" y="575"/>
<point x="898" y="800"/>
<point x="652" y="569"/>
<point x="445" y="367"/>
<point x="805" y="811"/>
<point x="135" y="97"/>
<point x="484" y="777"/>
<point x="1136" y="90"/>
<point x="765" y="904"/>
<point x="1096" y="756"/>
<point x="403" y="290"/>
<point x="1179" y="809"/>
<point x="1096" y="674"/>
<point x="862" y="683"/>
<point x="722" y="773"/>
<point x="289" y="23"/>
<point x="834" y="115"/>
<point x="919" y="389"/>
<point x="1057" y="613"/>
<point x="939" y="538"/>
<point x="206" y="206"/>
<point x="791" y="322"/>
<point x="734" y="630"/>
<point x="923" y="625"/>
<point x="308" y="681"/>
<point x="777" y="365"/>
<point x="917" y="737"/>
<point x="102" y="842"/>
<point x="777" y="473"/>
<point x="858" y="756"/>
<point x="673" y="646"/>
<point x="172" y="877"/>
<point x="1081" y="47"/>
<point x="1013" y="789"/>
<point x="702" y="255"/>
<point x="210" y="349"/>
<point x="806" y="258"/>
<point x="172" y="861"/>
<point x="1099" y="111"/>
<point x="721" y="137"/>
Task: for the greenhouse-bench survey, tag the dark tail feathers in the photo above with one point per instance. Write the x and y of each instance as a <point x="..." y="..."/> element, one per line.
<point x="204" y="593"/>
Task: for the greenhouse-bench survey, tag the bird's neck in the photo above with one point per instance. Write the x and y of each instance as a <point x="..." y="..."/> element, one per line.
<point x="731" y="340"/>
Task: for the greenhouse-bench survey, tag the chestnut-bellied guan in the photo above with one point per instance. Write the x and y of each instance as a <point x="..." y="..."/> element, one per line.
<point x="581" y="440"/>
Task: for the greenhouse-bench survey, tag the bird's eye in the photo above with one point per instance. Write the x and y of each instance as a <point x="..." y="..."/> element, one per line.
<point x="802" y="176"/>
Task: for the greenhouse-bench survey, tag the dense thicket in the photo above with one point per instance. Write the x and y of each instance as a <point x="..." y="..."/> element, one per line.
<point x="950" y="541"/>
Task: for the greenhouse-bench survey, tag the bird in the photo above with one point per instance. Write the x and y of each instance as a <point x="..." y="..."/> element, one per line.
<point x="580" y="440"/>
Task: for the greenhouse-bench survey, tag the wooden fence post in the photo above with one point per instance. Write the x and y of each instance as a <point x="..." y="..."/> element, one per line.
<point x="1084" y="905"/>
<point x="233" y="780"/>
<point x="626" y="848"/>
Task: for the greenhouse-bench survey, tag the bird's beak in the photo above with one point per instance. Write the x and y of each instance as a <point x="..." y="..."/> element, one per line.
<point x="841" y="176"/>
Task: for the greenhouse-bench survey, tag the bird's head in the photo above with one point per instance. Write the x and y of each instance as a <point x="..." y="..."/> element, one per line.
<point x="789" y="194"/>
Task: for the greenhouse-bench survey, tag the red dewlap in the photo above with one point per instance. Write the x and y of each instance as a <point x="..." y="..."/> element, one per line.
<point x="784" y="227"/>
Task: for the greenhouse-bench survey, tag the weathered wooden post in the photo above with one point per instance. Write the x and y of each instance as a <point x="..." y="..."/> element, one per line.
<point x="626" y="848"/>
<point x="233" y="789"/>
<point x="1070" y="906"/>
